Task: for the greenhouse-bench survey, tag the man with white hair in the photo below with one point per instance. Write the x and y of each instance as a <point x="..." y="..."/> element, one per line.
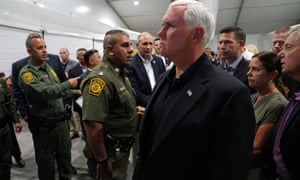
<point x="287" y="145"/>
<point x="199" y="122"/>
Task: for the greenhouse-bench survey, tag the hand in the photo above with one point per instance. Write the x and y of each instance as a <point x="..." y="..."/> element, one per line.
<point x="74" y="81"/>
<point x="140" y="110"/>
<point x="104" y="171"/>
<point x="18" y="127"/>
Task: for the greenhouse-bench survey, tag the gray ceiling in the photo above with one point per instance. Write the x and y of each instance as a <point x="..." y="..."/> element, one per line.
<point x="254" y="16"/>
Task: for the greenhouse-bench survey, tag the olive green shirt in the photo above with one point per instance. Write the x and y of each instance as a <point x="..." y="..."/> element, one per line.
<point x="109" y="98"/>
<point x="269" y="108"/>
<point x="43" y="91"/>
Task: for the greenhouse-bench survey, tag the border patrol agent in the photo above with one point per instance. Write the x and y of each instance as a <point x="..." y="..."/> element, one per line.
<point x="43" y="93"/>
<point x="5" y="137"/>
<point x="109" y="108"/>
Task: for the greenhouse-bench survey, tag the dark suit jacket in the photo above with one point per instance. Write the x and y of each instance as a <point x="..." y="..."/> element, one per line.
<point x="290" y="143"/>
<point x="75" y="72"/>
<point x="241" y="72"/>
<point x="53" y="61"/>
<point x="207" y="134"/>
<point x="139" y="78"/>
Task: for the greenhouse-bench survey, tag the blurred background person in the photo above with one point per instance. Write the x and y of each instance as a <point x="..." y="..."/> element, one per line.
<point x="278" y="39"/>
<point x="66" y="62"/>
<point x="232" y="40"/>
<point x="15" y="122"/>
<point x="167" y="62"/>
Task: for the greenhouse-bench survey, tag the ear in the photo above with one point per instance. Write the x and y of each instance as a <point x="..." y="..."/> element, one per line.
<point x="109" y="50"/>
<point x="198" y="34"/>
<point x="274" y="74"/>
<point x="241" y="43"/>
<point x="29" y="51"/>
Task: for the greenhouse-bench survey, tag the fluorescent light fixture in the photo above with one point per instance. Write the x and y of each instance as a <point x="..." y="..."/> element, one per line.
<point x="82" y="9"/>
<point x="136" y="3"/>
<point x="41" y="5"/>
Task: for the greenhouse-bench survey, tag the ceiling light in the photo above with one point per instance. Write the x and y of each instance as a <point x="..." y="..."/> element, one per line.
<point x="82" y="9"/>
<point x="41" y="5"/>
<point x="136" y="3"/>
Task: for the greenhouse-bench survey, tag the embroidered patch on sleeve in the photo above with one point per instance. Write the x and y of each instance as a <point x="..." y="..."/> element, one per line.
<point x="96" y="86"/>
<point x="27" y="77"/>
<point x="53" y="73"/>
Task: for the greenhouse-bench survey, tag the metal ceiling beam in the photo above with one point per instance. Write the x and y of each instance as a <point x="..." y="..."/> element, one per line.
<point x="239" y="13"/>
<point x="115" y="11"/>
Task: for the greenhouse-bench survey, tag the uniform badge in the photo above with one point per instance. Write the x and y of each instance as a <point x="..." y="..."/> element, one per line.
<point x="96" y="86"/>
<point x="53" y="73"/>
<point x="27" y="77"/>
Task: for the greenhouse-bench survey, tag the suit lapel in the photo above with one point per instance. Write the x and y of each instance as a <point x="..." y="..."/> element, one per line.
<point x="293" y="114"/>
<point x="143" y="72"/>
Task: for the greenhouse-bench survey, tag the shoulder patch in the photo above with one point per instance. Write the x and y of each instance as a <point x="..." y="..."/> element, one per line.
<point x="53" y="73"/>
<point x="27" y="77"/>
<point x="96" y="86"/>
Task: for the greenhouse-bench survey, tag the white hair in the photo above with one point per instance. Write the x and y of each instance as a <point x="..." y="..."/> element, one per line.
<point x="198" y="14"/>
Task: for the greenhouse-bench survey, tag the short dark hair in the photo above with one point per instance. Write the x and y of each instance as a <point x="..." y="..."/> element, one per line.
<point x="29" y="38"/>
<point x="88" y="54"/>
<point x="2" y="74"/>
<point x="156" y="39"/>
<point x="108" y="38"/>
<point x="80" y="49"/>
<point x="239" y="34"/>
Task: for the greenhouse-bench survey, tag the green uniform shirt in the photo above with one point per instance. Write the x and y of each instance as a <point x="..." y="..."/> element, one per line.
<point x="109" y="98"/>
<point x="43" y="90"/>
<point x="3" y="99"/>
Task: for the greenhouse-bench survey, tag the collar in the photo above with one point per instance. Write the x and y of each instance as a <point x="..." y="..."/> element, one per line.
<point x="187" y="75"/>
<point x="144" y="60"/>
<point x="234" y="64"/>
<point x="297" y="95"/>
<point x="35" y="67"/>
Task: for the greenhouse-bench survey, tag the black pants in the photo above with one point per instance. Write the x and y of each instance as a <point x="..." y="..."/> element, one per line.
<point x="16" y="151"/>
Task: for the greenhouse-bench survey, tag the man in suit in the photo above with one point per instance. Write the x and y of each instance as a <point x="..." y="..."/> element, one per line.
<point x="145" y="69"/>
<point x="168" y="64"/>
<point x="144" y="72"/>
<point x="278" y="39"/>
<point x="66" y="62"/>
<point x="287" y="145"/>
<point x="231" y="43"/>
<point x="199" y="123"/>
<point x="78" y="70"/>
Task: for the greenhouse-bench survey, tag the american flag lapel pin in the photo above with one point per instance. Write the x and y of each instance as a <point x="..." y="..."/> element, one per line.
<point x="189" y="92"/>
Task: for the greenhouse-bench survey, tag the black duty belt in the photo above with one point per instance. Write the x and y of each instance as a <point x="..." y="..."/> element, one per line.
<point x="49" y="122"/>
<point x="55" y="118"/>
<point x="118" y="144"/>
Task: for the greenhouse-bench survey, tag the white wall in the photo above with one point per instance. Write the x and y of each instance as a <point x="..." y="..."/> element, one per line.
<point x="12" y="45"/>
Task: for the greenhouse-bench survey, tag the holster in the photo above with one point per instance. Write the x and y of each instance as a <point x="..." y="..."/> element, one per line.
<point x="115" y="145"/>
<point x="33" y="124"/>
